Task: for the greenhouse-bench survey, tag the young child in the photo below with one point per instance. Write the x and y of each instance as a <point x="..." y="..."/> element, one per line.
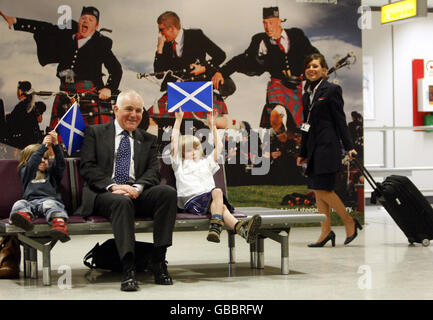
<point x="40" y="182"/>
<point x="195" y="185"/>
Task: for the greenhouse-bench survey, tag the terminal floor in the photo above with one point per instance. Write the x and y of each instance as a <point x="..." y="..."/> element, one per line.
<point x="379" y="264"/>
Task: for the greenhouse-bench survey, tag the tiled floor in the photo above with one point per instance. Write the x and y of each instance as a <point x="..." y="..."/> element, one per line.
<point x="379" y="264"/>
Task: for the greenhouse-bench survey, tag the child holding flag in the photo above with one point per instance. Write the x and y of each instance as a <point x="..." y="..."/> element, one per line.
<point x="40" y="183"/>
<point x="195" y="185"/>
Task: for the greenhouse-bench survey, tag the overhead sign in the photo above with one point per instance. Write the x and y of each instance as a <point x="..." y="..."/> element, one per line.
<point x="403" y="10"/>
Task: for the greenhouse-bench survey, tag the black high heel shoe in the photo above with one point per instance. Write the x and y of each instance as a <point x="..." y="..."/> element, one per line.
<point x="330" y="236"/>
<point x="355" y="234"/>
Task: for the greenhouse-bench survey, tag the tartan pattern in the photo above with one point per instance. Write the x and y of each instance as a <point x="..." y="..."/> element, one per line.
<point x="218" y="104"/>
<point x="90" y="111"/>
<point x="291" y="99"/>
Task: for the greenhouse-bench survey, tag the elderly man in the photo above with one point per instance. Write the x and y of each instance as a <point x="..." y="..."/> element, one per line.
<point x="120" y="166"/>
<point x="80" y="53"/>
<point x="281" y="52"/>
<point x="185" y="49"/>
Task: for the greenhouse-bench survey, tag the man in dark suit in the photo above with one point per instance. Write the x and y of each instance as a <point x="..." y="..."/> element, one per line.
<point x="185" y="49"/>
<point x="120" y="166"/>
<point x="281" y="52"/>
<point x="80" y="52"/>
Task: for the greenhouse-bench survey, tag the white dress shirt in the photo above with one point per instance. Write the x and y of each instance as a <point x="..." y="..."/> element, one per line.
<point x="82" y="41"/>
<point x="179" y="43"/>
<point x="285" y="42"/>
<point x="194" y="178"/>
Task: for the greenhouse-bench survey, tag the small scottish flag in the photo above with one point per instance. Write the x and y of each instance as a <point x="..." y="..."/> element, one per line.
<point x="71" y="128"/>
<point x="191" y="96"/>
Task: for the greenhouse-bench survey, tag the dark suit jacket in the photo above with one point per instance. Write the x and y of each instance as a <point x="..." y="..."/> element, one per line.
<point x="195" y="47"/>
<point x="321" y="145"/>
<point x="56" y="45"/>
<point x="275" y="61"/>
<point x="97" y="161"/>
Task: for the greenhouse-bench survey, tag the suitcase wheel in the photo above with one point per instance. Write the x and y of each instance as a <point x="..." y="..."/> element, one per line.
<point x="426" y="242"/>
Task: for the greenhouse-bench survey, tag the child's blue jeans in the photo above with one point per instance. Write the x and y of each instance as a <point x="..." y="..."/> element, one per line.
<point x="50" y="208"/>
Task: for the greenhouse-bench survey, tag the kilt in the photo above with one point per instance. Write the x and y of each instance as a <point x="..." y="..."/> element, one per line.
<point x="290" y="99"/>
<point x="218" y="104"/>
<point x="93" y="113"/>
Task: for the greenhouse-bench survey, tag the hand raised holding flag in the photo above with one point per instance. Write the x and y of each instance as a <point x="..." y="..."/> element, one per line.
<point x="211" y="118"/>
<point x="179" y="114"/>
<point x="54" y="137"/>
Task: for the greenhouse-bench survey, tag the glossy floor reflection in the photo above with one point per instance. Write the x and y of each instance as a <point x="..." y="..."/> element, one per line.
<point x="379" y="264"/>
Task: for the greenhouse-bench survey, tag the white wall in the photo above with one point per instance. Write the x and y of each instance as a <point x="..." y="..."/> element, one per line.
<point x="393" y="48"/>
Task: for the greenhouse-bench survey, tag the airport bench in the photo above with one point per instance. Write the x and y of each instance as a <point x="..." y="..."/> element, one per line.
<point x="276" y="224"/>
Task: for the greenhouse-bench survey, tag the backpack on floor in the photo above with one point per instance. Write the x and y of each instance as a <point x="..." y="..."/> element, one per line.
<point x="106" y="256"/>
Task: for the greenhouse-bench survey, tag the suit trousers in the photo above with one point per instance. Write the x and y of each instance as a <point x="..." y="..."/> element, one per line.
<point x="158" y="202"/>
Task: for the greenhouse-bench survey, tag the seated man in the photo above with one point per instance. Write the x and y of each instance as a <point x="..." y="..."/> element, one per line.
<point x="120" y="167"/>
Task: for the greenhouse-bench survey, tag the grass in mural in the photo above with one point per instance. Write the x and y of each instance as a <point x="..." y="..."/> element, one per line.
<point x="270" y="196"/>
<point x="262" y="196"/>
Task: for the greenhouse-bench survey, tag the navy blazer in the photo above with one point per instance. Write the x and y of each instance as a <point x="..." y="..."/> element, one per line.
<point x="321" y="145"/>
<point x="97" y="162"/>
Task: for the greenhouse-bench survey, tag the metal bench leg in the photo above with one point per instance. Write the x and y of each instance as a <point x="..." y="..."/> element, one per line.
<point x="232" y="258"/>
<point x="284" y="240"/>
<point x="33" y="245"/>
<point x="33" y="263"/>
<point x="260" y="253"/>
<point x="253" y="255"/>
<point x="26" y="261"/>
<point x="46" y="270"/>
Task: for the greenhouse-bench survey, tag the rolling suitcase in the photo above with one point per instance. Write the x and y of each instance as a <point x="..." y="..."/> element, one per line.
<point x="405" y="204"/>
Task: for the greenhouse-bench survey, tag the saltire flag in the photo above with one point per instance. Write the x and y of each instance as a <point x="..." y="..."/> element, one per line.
<point x="71" y="128"/>
<point x="191" y="96"/>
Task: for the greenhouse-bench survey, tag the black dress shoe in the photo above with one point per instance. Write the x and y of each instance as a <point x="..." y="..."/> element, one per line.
<point x="161" y="274"/>
<point x="129" y="282"/>
<point x="352" y="237"/>
<point x="330" y="236"/>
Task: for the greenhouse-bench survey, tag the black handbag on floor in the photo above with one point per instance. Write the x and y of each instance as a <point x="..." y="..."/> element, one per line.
<point x="106" y="256"/>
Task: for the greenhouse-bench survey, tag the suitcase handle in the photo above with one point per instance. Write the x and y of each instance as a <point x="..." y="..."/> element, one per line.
<point x="367" y="175"/>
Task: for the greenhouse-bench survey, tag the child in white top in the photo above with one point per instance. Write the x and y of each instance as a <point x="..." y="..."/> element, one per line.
<point x="195" y="185"/>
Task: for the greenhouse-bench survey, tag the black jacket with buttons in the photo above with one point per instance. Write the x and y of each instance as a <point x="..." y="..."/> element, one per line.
<point x="196" y="46"/>
<point x="275" y="61"/>
<point x="55" y="45"/>
<point x="328" y="126"/>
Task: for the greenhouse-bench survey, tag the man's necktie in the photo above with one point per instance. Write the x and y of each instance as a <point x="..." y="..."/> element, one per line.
<point x="174" y="48"/>
<point x="78" y="36"/>
<point x="123" y="160"/>
<point x="280" y="45"/>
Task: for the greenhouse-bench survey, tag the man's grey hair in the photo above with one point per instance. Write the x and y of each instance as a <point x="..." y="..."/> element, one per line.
<point x="129" y="93"/>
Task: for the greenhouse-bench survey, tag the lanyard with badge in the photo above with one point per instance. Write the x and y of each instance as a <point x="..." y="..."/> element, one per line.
<point x="306" y="125"/>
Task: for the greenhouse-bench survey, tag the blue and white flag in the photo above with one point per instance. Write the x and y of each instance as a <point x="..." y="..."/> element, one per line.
<point x="71" y="128"/>
<point x="191" y="96"/>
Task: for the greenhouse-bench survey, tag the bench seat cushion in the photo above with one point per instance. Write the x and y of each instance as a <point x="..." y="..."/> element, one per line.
<point x="73" y="219"/>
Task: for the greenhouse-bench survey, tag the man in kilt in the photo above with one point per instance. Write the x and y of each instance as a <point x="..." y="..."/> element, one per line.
<point x="184" y="51"/>
<point x="281" y="52"/>
<point x="80" y="52"/>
